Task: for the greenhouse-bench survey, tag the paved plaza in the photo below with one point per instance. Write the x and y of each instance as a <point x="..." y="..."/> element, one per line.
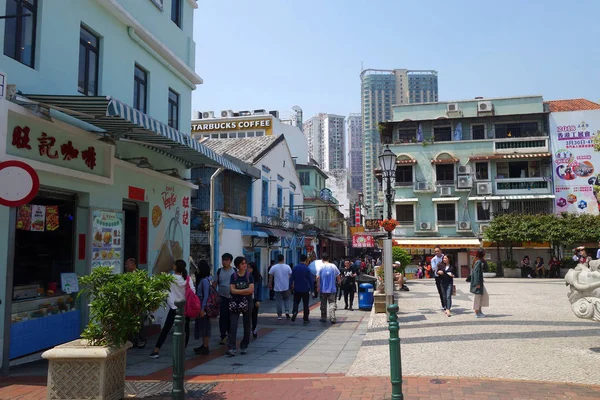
<point x="530" y="347"/>
<point x="530" y="333"/>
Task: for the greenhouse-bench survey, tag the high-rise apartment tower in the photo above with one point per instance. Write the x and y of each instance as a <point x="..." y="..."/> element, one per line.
<point x="380" y="90"/>
<point x="325" y="134"/>
<point x="355" y="145"/>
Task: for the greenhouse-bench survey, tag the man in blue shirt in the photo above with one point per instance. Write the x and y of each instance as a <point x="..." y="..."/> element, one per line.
<point x="302" y="281"/>
<point x="435" y="261"/>
<point x="328" y="277"/>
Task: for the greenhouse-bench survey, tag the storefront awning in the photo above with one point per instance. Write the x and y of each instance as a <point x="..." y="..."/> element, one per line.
<point x="518" y="197"/>
<point x="510" y="156"/>
<point x="444" y="243"/>
<point x="407" y="200"/>
<point x="274" y="232"/>
<point x="255" y="233"/>
<point x="445" y="199"/>
<point x="334" y="238"/>
<point x="123" y="121"/>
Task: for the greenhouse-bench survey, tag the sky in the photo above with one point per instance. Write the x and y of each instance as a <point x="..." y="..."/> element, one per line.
<point x="275" y="54"/>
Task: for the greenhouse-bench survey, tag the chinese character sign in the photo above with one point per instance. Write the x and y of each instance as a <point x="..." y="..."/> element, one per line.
<point x="363" y="241"/>
<point x="575" y="164"/>
<point x="357" y="215"/>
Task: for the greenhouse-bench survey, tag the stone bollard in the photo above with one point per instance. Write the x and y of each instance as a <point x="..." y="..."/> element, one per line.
<point x="395" y="356"/>
<point x="178" y="391"/>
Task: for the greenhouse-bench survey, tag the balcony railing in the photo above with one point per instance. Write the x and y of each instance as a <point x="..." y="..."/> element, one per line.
<point x="540" y="185"/>
<point x="521" y="145"/>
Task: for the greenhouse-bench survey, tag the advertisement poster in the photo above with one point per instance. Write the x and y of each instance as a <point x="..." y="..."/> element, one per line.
<point x="52" y="221"/>
<point x="38" y="218"/>
<point x="363" y="241"/>
<point x="107" y="239"/>
<point x="575" y="163"/>
<point x="171" y="215"/>
<point x="24" y="217"/>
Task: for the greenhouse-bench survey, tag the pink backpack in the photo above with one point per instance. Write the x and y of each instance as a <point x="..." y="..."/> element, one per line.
<point x="192" y="302"/>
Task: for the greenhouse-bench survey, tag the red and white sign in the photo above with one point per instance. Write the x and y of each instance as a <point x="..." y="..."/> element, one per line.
<point x="357" y="215"/>
<point x="363" y="241"/>
<point x="19" y="183"/>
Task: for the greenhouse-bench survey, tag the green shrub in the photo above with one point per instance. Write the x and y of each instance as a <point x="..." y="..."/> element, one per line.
<point x="509" y="264"/>
<point x="118" y="302"/>
<point x="492" y="267"/>
<point x="568" y="262"/>
<point x="399" y="254"/>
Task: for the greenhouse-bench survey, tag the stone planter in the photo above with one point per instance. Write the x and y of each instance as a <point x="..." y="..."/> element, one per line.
<point x="512" y="272"/>
<point x="489" y="275"/>
<point x="79" y="371"/>
<point x="379" y="302"/>
<point x="564" y="271"/>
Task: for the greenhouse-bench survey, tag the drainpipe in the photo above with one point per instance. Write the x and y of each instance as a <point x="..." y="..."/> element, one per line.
<point x="211" y="235"/>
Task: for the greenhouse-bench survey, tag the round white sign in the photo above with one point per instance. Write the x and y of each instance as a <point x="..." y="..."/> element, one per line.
<point x="19" y="183"/>
<point x="16" y="183"/>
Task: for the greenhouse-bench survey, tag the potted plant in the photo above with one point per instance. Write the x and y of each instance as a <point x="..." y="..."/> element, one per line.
<point x="490" y="271"/>
<point x="388" y="224"/>
<point x="510" y="269"/>
<point x="94" y="367"/>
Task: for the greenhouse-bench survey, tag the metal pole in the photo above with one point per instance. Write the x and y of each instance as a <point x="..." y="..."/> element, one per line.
<point x="10" y="266"/>
<point x="395" y="356"/>
<point x="178" y="392"/>
<point x="387" y="250"/>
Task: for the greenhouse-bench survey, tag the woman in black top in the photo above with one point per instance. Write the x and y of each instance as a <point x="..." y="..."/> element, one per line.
<point x="447" y="282"/>
<point x="348" y="283"/>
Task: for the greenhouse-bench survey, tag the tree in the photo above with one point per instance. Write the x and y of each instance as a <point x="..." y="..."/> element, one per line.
<point x="399" y="254"/>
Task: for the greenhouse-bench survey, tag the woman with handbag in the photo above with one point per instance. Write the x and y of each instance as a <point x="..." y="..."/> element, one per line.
<point x="242" y="289"/>
<point x="481" y="299"/>
<point x="447" y="282"/>
<point x="176" y="293"/>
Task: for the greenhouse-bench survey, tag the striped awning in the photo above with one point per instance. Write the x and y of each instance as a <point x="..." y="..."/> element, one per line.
<point x="123" y="121"/>
<point x="510" y="156"/>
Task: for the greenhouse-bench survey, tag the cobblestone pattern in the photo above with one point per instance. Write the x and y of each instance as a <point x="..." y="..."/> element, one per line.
<point x="530" y="333"/>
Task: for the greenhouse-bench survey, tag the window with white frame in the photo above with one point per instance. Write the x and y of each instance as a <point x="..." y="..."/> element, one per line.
<point x="446" y="213"/>
<point x="444" y="174"/>
<point x="405" y="214"/>
<point x="482" y="214"/>
<point x="404" y="175"/>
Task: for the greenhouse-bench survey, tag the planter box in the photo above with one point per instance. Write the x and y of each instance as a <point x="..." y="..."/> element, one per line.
<point x="379" y="303"/>
<point x="512" y="272"/>
<point x="79" y="371"/>
<point x="489" y="275"/>
<point x="564" y="271"/>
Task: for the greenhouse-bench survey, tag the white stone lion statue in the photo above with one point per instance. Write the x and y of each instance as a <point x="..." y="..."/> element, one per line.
<point x="584" y="285"/>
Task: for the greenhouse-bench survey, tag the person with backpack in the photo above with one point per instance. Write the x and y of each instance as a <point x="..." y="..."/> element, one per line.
<point x="258" y="295"/>
<point x="177" y="292"/>
<point x="242" y="289"/>
<point x="223" y="284"/>
<point x="202" y="326"/>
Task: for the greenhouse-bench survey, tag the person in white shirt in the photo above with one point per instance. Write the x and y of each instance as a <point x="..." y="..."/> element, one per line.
<point x="176" y="293"/>
<point x="279" y="281"/>
<point x="598" y="251"/>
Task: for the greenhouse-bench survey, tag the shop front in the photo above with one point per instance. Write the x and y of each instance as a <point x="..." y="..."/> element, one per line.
<point x="458" y="249"/>
<point x="92" y="209"/>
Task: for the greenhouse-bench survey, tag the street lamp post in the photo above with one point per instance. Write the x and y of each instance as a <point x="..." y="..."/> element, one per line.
<point x="387" y="162"/>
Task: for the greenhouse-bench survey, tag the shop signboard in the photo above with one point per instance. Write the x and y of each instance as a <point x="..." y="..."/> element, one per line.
<point x="372" y="224"/>
<point x="234" y="125"/>
<point x="576" y="166"/>
<point x="33" y="140"/>
<point x="363" y="241"/>
<point x="107" y="239"/>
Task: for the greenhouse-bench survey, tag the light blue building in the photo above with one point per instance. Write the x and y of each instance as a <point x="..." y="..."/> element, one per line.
<point x="95" y="96"/>
<point x="460" y="162"/>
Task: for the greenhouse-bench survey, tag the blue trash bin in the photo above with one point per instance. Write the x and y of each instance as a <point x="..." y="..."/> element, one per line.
<point x="365" y="296"/>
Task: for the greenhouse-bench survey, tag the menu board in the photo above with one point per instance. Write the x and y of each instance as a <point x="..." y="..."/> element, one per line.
<point x="38" y="218"/>
<point x="107" y="239"/>
<point x="69" y="283"/>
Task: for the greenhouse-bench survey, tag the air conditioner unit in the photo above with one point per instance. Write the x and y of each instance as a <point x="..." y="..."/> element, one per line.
<point x="274" y="113"/>
<point x="282" y="213"/>
<point x="226" y="113"/>
<point x="464" y="170"/>
<point x="310" y="220"/>
<point x="483" y="227"/>
<point x="208" y="114"/>
<point x="446" y="191"/>
<point x="485" y="106"/>
<point x="422" y="186"/>
<point x="425" y="226"/>
<point x="464" y="226"/>
<point x="465" y="181"/>
<point x="258" y="112"/>
<point x="484" y="188"/>
<point x="452" y="107"/>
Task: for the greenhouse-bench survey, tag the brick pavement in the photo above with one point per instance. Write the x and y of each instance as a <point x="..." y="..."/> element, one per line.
<point x="336" y="387"/>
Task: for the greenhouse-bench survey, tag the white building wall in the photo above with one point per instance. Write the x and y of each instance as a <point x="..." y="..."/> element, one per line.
<point x="296" y="141"/>
<point x="339" y="185"/>
<point x="279" y="161"/>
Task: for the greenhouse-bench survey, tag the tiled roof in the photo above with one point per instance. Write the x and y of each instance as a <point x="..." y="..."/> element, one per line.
<point x="572" y="105"/>
<point x="245" y="149"/>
